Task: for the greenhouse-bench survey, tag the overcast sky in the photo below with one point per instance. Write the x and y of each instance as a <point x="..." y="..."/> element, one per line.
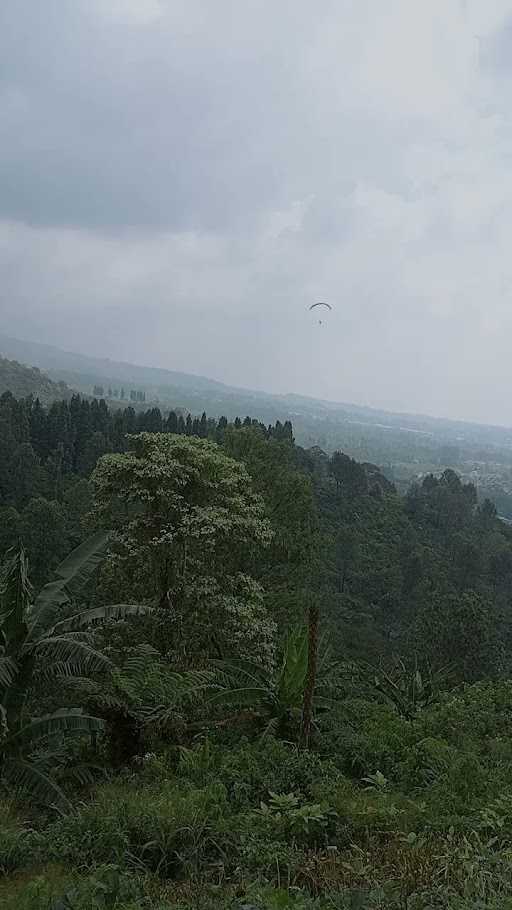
<point x="181" y="179"/>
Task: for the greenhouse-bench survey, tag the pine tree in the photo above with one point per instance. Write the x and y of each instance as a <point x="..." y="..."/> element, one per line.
<point x="94" y="448"/>
<point x="203" y="426"/>
<point x="288" y="432"/>
<point x="38" y="430"/>
<point x="130" y="420"/>
<point x="20" y="420"/>
<point x="171" y="424"/>
<point x="220" y="429"/>
<point x="55" y="473"/>
<point x="28" y="478"/>
<point x="118" y="431"/>
<point x="151" y="421"/>
<point x="43" y="532"/>
<point x="7" y="450"/>
<point x="80" y="411"/>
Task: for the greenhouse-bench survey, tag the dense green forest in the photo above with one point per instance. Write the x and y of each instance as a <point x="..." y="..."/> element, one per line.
<point x="407" y="446"/>
<point x="236" y="673"/>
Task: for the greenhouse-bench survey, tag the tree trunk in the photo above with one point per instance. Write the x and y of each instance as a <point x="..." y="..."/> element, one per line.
<point x="124" y="739"/>
<point x="309" y="688"/>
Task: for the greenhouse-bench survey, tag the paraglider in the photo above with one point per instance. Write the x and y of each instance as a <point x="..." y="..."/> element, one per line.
<point x="321" y="303"/>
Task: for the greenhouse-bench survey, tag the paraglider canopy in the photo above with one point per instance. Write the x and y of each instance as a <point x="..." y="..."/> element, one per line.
<point x="320" y="303"/>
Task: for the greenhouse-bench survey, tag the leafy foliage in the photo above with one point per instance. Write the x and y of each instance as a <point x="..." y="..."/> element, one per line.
<point x="275" y="700"/>
<point x="32" y="650"/>
<point x="224" y="536"/>
<point x="185" y="521"/>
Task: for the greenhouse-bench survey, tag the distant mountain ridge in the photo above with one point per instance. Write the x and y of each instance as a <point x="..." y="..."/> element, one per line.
<point x="316" y="421"/>
<point x="53" y="359"/>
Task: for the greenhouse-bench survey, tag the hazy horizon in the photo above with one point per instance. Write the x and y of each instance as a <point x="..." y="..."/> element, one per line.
<point x="250" y="389"/>
<point x="180" y="181"/>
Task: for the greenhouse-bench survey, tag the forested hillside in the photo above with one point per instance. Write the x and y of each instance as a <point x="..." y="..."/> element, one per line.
<point x="408" y="446"/>
<point x="235" y="672"/>
<point x="21" y="381"/>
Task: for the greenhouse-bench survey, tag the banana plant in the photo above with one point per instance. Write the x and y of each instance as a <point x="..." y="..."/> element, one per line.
<point x="410" y="687"/>
<point x="277" y="699"/>
<point x="36" y="645"/>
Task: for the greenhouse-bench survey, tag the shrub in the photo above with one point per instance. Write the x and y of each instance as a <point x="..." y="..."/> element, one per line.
<point x="162" y="830"/>
<point x="285" y="817"/>
<point x="18" y="848"/>
<point x="368" y="736"/>
<point x="472" y="716"/>
<point x="427" y="762"/>
<point x="18" y="843"/>
<point x="108" y="888"/>
<point x="250" y="771"/>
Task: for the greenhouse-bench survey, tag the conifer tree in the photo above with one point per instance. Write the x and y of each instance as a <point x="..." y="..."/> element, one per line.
<point x="171" y="424"/>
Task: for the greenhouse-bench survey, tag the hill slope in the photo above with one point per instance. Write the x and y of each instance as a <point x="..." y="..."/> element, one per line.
<point x="408" y="445"/>
<point x="81" y="368"/>
<point x="23" y="381"/>
<point x="171" y="388"/>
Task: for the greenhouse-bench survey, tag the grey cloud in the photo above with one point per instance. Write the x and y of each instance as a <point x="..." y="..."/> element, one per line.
<point x="168" y="126"/>
<point x="130" y="127"/>
<point x="494" y="51"/>
<point x="179" y="179"/>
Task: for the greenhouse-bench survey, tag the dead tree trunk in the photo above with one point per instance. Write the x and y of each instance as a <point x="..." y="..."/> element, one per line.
<point x="310" y="684"/>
